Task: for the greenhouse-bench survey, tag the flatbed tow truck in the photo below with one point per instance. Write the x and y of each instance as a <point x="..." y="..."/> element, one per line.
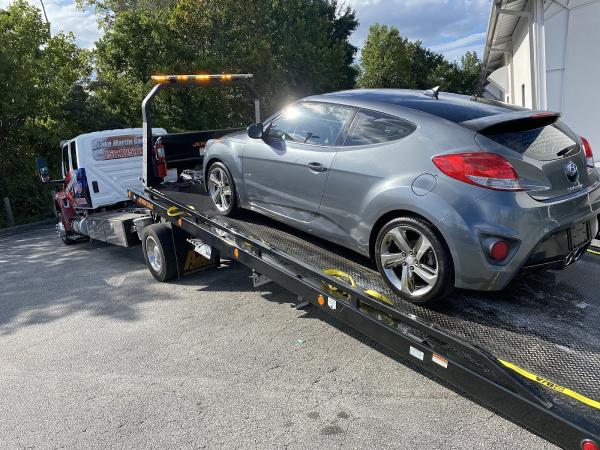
<point x="530" y="353"/>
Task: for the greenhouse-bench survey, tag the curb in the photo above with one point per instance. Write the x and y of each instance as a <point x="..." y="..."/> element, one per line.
<point x="26" y="227"/>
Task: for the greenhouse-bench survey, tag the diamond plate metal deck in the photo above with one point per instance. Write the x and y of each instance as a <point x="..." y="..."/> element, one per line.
<point x="548" y="323"/>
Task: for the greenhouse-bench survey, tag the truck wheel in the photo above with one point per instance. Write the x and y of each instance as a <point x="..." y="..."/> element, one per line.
<point x="221" y="188"/>
<point x="414" y="261"/>
<point x="64" y="235"/>
<point x="159" y="251"/>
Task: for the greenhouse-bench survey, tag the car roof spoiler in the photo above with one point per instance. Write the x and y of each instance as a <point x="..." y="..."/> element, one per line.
<point x="512" y="121"/>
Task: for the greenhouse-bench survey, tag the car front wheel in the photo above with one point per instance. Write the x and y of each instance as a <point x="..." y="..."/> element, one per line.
<point x="221" y="188"/>
<point x="413" y="260"/>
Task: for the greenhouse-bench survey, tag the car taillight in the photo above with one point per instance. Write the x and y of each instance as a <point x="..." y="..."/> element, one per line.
<point x="589" y="155"/>
<point x="487" y="170"/>
<point x="160" y="160"/>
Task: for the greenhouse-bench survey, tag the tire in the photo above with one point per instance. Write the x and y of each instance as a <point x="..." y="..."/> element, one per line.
<point x="423" y="277"/>
<point x="159" y="251"/>
<point x="217" y="193"/>
<point x="63" y="234"/>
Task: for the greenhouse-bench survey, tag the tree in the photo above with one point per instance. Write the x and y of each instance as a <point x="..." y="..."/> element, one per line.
<point x="386" y="59"/>
<point x="470" y="73"/>
<point x="40" y="78"/>
<point x="389" y="60"/>
<point x="294" y="48"/>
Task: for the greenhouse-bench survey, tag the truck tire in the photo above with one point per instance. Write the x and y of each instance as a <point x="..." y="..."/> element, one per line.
<point x="63" y="234"/>
<point x="159" y="251"/>
<point x="414" y="261"/>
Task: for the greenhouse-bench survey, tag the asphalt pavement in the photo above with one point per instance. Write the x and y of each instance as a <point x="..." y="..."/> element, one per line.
<point x="95" y="353"/>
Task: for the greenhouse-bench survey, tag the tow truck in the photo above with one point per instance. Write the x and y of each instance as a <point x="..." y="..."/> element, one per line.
<point x="530" y="353"/>
<point x="97" y="169"/>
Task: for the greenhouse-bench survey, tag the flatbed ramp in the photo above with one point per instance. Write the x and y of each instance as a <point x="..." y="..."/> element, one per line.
<point x="538" y="340"/>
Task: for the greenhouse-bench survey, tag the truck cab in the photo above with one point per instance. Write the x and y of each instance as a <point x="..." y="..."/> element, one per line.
<point x="97" y="170"/>
<point x="99" y="167"/>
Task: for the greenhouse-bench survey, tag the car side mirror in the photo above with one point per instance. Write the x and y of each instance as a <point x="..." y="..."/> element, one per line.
<point x="42" y="168"/>
<point x="256" y="131"/>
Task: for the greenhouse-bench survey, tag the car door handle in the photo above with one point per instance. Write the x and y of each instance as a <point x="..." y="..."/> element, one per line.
<point x="317" y="167"/>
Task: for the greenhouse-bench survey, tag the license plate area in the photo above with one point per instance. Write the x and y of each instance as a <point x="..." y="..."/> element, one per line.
<point x="578" y="235"/>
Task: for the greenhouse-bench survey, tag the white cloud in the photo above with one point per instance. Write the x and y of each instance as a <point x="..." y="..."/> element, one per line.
<point x="460" y="43"/>
<point x="64" y="16"/>
<point x="439" y="24"/>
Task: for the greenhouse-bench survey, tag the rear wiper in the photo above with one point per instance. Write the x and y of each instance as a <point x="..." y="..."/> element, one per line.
<point x="564" y="151"/>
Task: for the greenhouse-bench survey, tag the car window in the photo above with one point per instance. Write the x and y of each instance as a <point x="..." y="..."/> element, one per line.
<point x="74" y="164"/>
<point x="311" y="123"/>
<point x="371" y="127"/>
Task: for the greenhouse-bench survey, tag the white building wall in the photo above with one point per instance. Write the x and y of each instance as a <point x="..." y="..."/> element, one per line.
<point x="556" y="20"/>
<point x="521" y="67"/>
<point x="572" y="56"/>
<point x="580" y="93"/>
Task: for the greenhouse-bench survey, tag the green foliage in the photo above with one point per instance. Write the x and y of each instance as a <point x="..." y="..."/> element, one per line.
<point x="52" y="90"/>
<point x="41" y="77"/>
<point x="390" y="61"/>
<point x="294" y="48"/>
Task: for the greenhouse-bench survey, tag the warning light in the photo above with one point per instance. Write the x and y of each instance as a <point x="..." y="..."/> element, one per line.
<point x="236" y="253"/>
<point x="180" y="221"/>
<point x="201" y="78"/>
<point x="321" y="300"/>
<point x="589" y="445"/>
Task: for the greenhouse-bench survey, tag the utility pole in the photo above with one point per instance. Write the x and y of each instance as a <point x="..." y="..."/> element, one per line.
<point x="9" y="214"/>
<point x="46" y="17"/>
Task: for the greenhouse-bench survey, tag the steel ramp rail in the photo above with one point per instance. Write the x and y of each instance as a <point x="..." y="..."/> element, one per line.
<point x="465" y="365"/>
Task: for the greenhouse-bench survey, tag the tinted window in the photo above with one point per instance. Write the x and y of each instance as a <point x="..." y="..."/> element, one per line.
<point x="370" y="127"/>
<point x="73" y="156"/>
<point x="455" y="110"/>
<point x="311" y="123"/>
<point x="544" y="143"/>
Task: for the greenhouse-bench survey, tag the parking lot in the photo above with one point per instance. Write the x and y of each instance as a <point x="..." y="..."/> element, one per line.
<point x="95" y="352"/>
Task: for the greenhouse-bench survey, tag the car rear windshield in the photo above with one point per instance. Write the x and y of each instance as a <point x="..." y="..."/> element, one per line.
<point x="542" y="143"/>
<point x="456" y="110"/>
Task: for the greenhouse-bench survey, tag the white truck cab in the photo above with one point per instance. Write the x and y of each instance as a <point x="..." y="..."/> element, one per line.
<point x="99" y="167"/>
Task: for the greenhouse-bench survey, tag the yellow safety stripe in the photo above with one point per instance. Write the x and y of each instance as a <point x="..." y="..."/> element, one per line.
<point x="549" y="384"/>
<point x="594" y="252"/>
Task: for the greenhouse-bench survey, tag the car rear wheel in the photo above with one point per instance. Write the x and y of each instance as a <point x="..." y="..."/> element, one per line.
<point x="413" y="260"/>
<point x="221" y="188"/>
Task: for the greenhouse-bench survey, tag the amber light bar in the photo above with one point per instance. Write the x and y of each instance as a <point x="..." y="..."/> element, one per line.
<point x="201" y="78"/>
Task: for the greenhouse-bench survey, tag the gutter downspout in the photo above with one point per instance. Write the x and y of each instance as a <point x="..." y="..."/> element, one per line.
<point x="540" y="41"/>
<point x="533" y="67"/>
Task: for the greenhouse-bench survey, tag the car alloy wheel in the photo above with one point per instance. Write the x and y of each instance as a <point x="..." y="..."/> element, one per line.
<point x="219" y="188"/>
<point x="409" y="261"/>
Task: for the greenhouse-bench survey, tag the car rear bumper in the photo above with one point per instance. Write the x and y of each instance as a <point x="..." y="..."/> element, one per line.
<point x="539" y="233"/>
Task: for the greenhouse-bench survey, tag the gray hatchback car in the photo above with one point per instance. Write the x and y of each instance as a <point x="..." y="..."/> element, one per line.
<point x="440" y="190"/>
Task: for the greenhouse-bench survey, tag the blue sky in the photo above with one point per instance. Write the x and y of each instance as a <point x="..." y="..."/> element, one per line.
<point x="450" y="27"/>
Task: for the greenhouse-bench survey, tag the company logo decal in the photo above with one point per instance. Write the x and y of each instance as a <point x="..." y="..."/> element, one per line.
<point x="117" y="147"/>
